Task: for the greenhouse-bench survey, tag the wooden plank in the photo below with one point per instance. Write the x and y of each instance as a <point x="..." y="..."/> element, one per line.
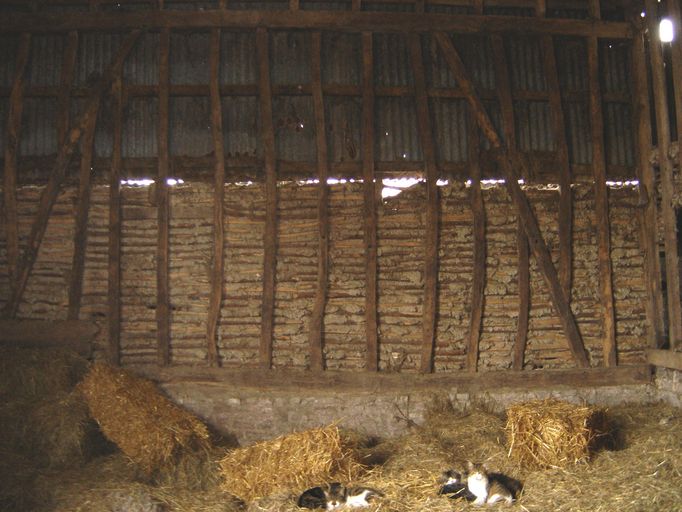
<point x="510" y="165"/>
<point x="49" y="194"/>
<point x="163" y="319"/>
<point x="504" y="91"/>
<point x="217" y="269"/>
<point x="369" y="203"/>
<point x="114" y="257"/>
<point x="315" y="334"/>
<point x="564" y="167"/>
<point x="541" y="8"/>
<point x="354" y="21"/>
<point x="81" y="221"/>
<point x="665" y="358"/>
<point x="16" y="107"/>
<point x="479" y="252"/>
<point x="647" y="214"/>
<point x="77" y="335"/>
<point x="431" y="228"/>
<point x="672" y="272"/>
<point x="270" y="234"/>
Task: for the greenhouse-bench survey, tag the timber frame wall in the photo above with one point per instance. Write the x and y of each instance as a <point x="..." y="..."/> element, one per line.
<point x="500" y="158"/>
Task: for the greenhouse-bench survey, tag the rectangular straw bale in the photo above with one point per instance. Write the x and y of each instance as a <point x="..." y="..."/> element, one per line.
<point x="291" y="462"/>
<point x="551" y="433"/>
<point x="147" y="427"/>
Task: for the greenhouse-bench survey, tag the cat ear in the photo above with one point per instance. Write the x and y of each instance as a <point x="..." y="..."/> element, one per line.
<point x="470" y="465"/>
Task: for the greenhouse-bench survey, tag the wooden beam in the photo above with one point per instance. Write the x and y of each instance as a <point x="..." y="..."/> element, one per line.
<point x="665" y="358"/>
<point x="369" y="204"/>
<point x="353" y="21"/>
<point x="479" y="252"/>
<point x="16" y="107"/>
<point x="114" y="275"/>
<point x="217" y="270"/>
<point x="270" y="234"/>
<point x="65" y="83"/>
<point x="541" y="8"/>
<point x="49" y="194"/>
<point x="564" y="167"/>
<point x="510" y="165"/>
<point x="77" y="335"/>
<point x="81" y="221"/>
<point x="672" y="271"/>
<point x="431" y="228"/>
<point x="647" y="214"/>
<point x="163" y="319"/>
<point x="315" y="333"/>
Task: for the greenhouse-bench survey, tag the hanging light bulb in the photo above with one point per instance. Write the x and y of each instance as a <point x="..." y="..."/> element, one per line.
<point x="666" y="30"/>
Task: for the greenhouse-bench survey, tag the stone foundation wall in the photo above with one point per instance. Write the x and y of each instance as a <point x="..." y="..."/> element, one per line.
<point x="668" y="382"/>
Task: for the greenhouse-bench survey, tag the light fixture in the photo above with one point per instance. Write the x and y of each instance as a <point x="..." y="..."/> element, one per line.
<point x="666" y="30"/>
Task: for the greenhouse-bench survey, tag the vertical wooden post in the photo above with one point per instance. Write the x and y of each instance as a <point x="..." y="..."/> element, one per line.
<point x="49" y="195"/>
<point x="114" y="276"/>
<point x="369" y="205"/>
<point x="294" y="5"/>
<point x="564" y="168"/>
<point x="356" y="5"/>
<point x="509" y="165"/>
<point x="163" y="319"/>
<point x="431" y="239"/>
<point x="218" y="202"/>
<point x="647" y="185"/>
<point x="503" y="86"/>
<point x="16" y="107"/>
<point x="315" y="333"/>
<point x="66" y="79"/>
<point x="270" y="235"/>
<point x="540" y="8"/>
<point x="81" y="222"/>
<point x="672" y="271"/>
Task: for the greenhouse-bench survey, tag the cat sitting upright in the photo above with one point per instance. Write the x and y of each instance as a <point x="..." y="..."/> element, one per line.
<point x="489" y="487"/>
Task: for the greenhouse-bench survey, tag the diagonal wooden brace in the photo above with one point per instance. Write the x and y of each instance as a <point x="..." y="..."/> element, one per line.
<point x="49" y="195"/>
<point x="510" y="164"/>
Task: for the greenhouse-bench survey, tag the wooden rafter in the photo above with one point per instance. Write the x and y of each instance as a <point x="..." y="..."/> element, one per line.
<point x="315" y="334"/>
<point x="49" y="194"/>
<point x="218" y="266"/>
<point x="16" y="107"/>
<point x="510" y="165"/>
<point x="369" y="203"/>
<point x="270" y="234"/>
<point x="431" y="228"/>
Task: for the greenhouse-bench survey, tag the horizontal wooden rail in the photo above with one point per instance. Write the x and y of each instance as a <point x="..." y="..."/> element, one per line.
<point x="665" y="358"/>
<point x="76" y="335"/>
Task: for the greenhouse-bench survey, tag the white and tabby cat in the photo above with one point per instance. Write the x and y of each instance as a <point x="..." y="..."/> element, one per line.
<point x="486" y="489"/>
<point x="335" y="496"/>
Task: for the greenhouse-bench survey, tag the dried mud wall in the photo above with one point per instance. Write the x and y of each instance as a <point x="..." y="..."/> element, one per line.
<point x="400" y="275"/>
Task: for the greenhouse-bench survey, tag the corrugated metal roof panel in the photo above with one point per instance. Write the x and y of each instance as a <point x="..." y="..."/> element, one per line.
<point x="392" y="63"/>
<point x="576" y="14"/>
<point x="477" y="56"/>
<point x="571" y="56"/>
<point x="322" y="5"/>
<point x="294" y="128"/>
<point x="533" y="126"/>
<point x="290" y="57"/>
<point x="343" y="117"/>
<point x="190" y="126"/>
<point x="39" y="127"/>
<point x="238" y="65"/>
<point x="509" y="11"/>
<point x="615" y="66"/>
<point x="449" y="9"/>
<point x="526" y="70"/>
<point x="578" y="132"/>
<point x="397" y="137"/>
<point x="241" y="126"/>
<point x="140" y="128"/>
<point x="45" y="63"/>
<point x="9" y="44"/>
<point x="189" y="58"/>
<point x="341" y="58"/>
<point x="95" y="52"/>
<point x="142" y="65"/>
<point x="619" y="135"/>
<point x="387" y="7"/>
<point x="259" y="5"/>
<point x="450" y="129"/>
<point x="191" y="6"/>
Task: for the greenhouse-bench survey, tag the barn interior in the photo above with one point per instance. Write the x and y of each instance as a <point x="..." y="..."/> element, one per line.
<point x="399" y="217"/>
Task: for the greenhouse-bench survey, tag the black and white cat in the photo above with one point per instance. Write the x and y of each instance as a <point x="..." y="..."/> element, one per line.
<point x="455" y="486"/>
<point x="335" y="496"/>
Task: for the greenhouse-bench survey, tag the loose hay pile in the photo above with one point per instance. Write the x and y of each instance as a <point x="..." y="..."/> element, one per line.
<point x="552" y="434"/>
<point x="291" y="462"/>
<point x="152" y="431"/>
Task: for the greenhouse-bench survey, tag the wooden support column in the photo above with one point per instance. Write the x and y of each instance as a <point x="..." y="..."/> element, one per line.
<point x="672" y="272"/>
<point x="163" y="319"/>
<point x="49" y="194"/>
<point x="509" y="165"/>
<point x="479" y="252"/>
<point x="114" y="275"/>
<point x="601" y="202"/>
<point x="563" y="167"/>
<point x="540" y="8"/>
<point x="647" y="214"/>
<point x="315" y="335"/>
<point x="370" y="202"/>
<point x="270" y="235"/>
<point x="504" y="94"/>
<point x="81" y="222"/>
<point x="431" y="238"/>
<point x="217" y="270"/>
<point x="16" y="107"/>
